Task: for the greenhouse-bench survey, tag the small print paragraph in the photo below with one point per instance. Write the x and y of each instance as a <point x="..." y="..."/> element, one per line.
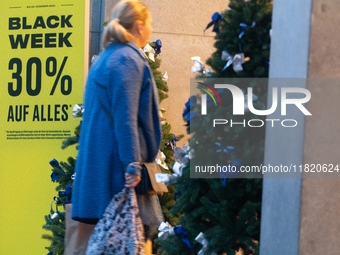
<point x="37" y="134"/>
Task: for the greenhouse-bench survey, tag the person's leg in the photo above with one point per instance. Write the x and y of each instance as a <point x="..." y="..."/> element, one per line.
<point x="148" y="247"/>
<point x="77" y="234"/>
<point x="149" y="234"/>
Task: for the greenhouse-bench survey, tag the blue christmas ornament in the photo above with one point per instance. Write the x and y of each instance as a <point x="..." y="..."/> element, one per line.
<point x="216" y="18"/>
<point x="55" y="164"/>
<point x="66" y="193"/>
<point x="189" y="105"/>
<point x="57" y="200"/>
<point x="54" y="177"/>
<point x="267" y="63"/>
<point x="179" y="231"/>
<point x="158" y="46"/>
<point x="230" y="150"/>
<point x="172" y="143"/>
<point x="243" y="27"/>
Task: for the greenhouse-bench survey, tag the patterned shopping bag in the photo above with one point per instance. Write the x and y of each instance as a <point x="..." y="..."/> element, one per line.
<point x="120" y="231"/>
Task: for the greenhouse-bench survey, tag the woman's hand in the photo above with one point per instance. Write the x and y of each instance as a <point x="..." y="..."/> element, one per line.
<point x="131" y="180"/>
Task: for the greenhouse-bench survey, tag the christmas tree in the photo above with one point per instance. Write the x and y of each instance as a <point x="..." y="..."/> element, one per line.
<point x="55" y="221"/>
<point x="169" y="139"/>
<point x="63" y="174"/>
<point x="222" y="216"/>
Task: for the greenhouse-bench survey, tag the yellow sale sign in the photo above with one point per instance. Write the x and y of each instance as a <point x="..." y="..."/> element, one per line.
<point x="42" y="77"/>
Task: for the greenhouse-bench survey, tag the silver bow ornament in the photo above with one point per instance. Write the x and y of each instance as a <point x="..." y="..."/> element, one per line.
<point x="182" y="156"/>
<point x="207" y="72"/>
<point x="160" y="160"/>
<point x="165" y="76"/>
<point x="199" y="66"/>
<point x="165" y="229"/>
<point x="170" y="178"/>
<point x="78" y="111"/>
<point x="237" y="61"/>
<point x="200" y="238"/>
<point x="191" y="152"/>
<point x="149" y="49"/>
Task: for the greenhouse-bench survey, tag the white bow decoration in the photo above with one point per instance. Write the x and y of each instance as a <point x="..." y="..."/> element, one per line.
<point x="190" y="152"/>
<point x="77" y="111"/>
<point x="202" y="240"/>
<point x="165" y="76"/>
<point x="237" y="61"/>
<point x="182" y="156"/>
<point x="170" y="178"/>
<point x="160" y="160"/>
<point x="199" y="66"/>
<point x="165" y="229"/>
<point x="148" y="48"/>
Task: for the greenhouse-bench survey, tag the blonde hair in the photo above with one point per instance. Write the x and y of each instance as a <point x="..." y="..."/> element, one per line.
<point x="124" y="16"/>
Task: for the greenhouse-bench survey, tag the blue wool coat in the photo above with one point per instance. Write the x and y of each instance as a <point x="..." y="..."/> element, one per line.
<point x="121" y="79"/>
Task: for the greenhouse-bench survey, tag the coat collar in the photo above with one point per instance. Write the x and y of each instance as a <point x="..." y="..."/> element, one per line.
<point x="139" y="50"/>
<point x="133" y="46"/>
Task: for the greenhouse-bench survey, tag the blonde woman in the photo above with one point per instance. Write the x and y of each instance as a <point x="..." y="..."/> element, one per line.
<point x="120" y="87"/>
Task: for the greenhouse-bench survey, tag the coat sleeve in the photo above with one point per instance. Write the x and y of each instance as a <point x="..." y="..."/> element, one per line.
<point x="127" y="81"/>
